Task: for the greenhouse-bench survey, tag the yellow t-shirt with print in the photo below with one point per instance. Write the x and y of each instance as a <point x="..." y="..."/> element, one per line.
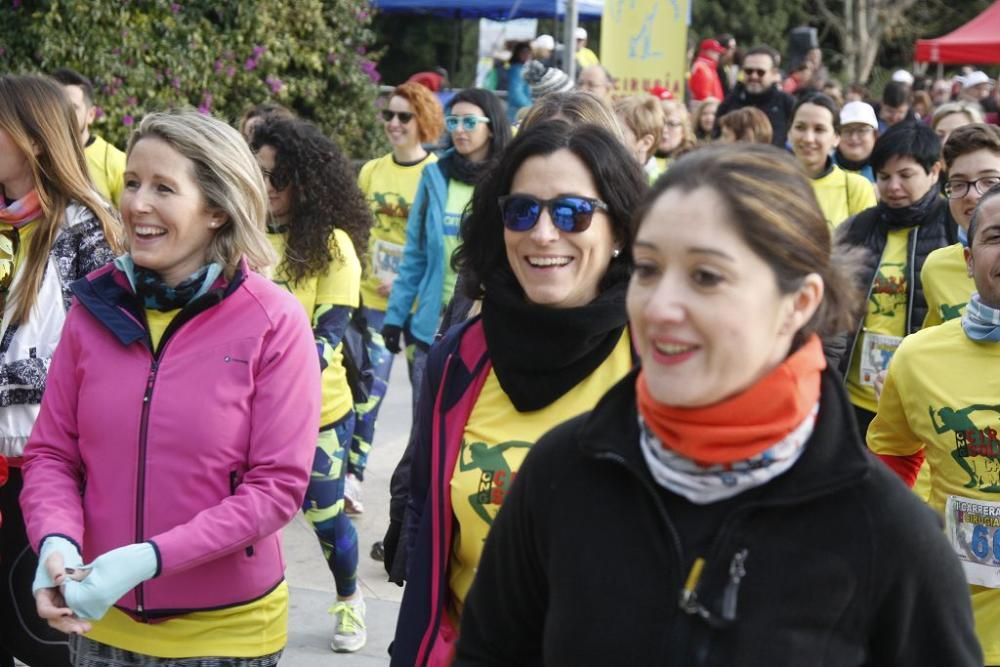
<point x="338" y="286"/>
<point x="842" y="194"/>
<point x="24" y="234"/>
<point x="940" y="396"/>
<point x="947" y="285"/>
<point x="106" y="165"/>
<point x="885" y="320"/>
<point x="496" y="440"/>
<point x="459" y="195"/>
<point x="390" y="189"/>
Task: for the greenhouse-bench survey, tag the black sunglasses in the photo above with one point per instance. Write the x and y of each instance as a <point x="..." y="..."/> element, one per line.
<point x="278" y="178"/>
<point x="403" y="116"/>
<point x="753" y="71"/>
<point x="569" y="213"/>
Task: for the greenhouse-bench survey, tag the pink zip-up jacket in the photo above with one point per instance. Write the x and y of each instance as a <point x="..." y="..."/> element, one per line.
<point x="202" y="447"/>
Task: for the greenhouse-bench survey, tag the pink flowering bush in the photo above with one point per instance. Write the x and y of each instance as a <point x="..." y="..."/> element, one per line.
<point x="219" y="57"/>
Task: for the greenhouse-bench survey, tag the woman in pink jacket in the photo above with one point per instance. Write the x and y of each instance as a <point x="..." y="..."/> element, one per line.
<point x="179" y="421"/>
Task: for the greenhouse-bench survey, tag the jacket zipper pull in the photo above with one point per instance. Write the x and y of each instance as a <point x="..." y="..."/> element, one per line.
<point x="689" y="598"/>
<point x="737" y="570"/>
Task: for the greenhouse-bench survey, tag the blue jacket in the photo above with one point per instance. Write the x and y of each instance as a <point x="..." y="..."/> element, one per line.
<point x="518" y="91"/>
<point x="421" y="273"/>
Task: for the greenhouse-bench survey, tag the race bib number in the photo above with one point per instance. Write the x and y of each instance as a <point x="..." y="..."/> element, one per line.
<point x="973" y="528"/>
<point x="876" y="351"/>
<point x="387" y="258"/>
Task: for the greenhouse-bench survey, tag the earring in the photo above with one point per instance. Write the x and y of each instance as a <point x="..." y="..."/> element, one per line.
<point x="615" y="253"/>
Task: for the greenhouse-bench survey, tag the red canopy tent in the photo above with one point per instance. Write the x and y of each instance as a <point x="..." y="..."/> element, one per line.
<point x="978" y="41"/>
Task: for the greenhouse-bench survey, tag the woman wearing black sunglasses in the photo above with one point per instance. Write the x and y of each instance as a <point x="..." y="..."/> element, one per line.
<point x="547" y="247"/>
<point x="478" y="131"/>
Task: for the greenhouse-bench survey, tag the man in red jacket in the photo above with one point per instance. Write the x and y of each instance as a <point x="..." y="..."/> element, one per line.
<point x="705" y="80"/>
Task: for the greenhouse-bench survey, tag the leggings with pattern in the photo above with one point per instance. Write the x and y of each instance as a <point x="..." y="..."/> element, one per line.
<point x="324" y="504"/>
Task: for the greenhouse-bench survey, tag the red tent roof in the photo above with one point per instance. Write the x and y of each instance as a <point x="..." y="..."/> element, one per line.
<point x="978" y="41"/>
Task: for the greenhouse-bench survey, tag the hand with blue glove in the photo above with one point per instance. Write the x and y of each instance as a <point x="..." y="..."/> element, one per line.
<point x="56" y="556"/>
<point x="110" y="576"/>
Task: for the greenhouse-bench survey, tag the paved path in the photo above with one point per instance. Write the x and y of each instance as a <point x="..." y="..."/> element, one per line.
<point x="310" y="627"/>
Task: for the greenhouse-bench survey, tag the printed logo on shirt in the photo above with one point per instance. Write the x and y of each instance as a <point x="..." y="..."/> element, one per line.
<point x="389" y="207"/>
<point x="495" y="476"/>
<point x="951" y="311"/>
<point x="977" y="448"/>
<point x="888" y="297"/>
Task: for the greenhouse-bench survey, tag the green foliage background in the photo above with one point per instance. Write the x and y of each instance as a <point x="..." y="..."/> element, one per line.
<point x="222" y="57"/>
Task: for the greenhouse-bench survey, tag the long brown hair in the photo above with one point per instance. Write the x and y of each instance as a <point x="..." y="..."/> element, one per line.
<point x="37" y="116"/>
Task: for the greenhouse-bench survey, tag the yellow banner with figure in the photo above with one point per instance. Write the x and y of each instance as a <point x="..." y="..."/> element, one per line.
<point x="644" y="44"/>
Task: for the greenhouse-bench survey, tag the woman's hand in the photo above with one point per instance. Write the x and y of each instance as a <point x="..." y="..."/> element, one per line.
<point x="111" y="576"/>
<point x="49" y="602"/>
<point x="385" y="288"/>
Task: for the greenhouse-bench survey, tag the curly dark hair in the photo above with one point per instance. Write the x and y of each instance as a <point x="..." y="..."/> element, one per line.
<point x="325" y="194"/>
<point x="620" y="182"/>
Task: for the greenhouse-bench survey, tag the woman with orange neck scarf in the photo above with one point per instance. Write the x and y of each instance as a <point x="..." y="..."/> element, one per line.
<point x="717" y="507"/>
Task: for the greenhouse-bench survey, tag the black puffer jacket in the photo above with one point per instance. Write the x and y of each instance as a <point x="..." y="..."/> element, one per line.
<point x="870" y="229"/>
<point x="833" y="563"/>
<point x="776" y="104"/>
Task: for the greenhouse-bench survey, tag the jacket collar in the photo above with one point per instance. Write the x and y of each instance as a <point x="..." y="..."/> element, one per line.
<point x="833" y="458"/>
<point x="108" y="296"/>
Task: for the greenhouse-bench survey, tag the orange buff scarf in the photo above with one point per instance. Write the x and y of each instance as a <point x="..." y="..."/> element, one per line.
<point x="745" y="425"/>
<point x="22" y="211"/>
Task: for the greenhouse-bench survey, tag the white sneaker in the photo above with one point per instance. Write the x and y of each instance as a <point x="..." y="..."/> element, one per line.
<point x="352" y="495"/>
<point x="349" y="633"/>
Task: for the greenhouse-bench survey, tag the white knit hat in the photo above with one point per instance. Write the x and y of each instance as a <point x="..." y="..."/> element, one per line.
<point x="544" y="80"/>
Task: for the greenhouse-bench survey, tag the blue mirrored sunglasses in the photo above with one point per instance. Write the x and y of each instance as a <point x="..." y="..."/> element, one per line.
<point x="468" y="123"/>
<point x="569" y="213"/>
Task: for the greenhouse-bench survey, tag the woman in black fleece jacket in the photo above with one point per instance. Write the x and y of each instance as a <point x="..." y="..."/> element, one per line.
<point x="717" y="507"/>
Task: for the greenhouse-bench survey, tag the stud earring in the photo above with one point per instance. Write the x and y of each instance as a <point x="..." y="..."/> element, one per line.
<point x="616" y="252"/>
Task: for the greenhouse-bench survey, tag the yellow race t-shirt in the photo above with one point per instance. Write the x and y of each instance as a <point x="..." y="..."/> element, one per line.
<point x="842" y="194"/>
<point x="885" y="321"/>
<point x="940" y="396"/>
<point x="390" y="189"/>
<point x="459" y="195"/>
<point x="496" y="440"/>
<point x="947" y="285"/>
<point x="250" y="630"/>
<point x="106" y="165"/>
<point x="338" y="286"/>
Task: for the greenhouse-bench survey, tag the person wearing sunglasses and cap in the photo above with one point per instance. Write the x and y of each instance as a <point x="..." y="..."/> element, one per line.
<point x="478" y="131"/>
<point x="546" y="246"/>
<point x="54" y="229"/>
<point x="412" y="118"/>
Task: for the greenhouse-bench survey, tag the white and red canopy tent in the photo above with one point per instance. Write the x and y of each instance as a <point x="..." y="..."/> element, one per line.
<point x="976" y="42"/>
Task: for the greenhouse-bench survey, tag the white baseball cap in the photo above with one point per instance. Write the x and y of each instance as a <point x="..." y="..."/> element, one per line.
<point x="544" y="42"/>
<point x="974" y="79"/>
<point x="902" y="76"/>
<point x="858" y="112"/>
<point x="581" y="33"/>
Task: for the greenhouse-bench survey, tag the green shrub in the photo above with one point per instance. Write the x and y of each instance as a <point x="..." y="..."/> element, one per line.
<point x="221" y="57"/>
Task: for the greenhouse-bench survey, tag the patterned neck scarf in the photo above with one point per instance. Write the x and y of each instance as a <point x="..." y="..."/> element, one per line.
<point x="981" y="322"/>
<point x="21" y="211"/>
<point x="158" y="295"/>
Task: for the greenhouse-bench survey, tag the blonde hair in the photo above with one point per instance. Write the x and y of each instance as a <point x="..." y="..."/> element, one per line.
<point x="643" y="115"/>
<point x="229" y="179"/>
<point x="971" y="110"/>
<point x="689" y="141"/>
<point x="575" y="107"/>
<point x="35" y="113"/>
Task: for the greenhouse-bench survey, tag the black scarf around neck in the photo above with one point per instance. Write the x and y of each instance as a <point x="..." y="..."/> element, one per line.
<point x="849" y="165"/>
<point x="158" y="295"/>
<point x="539" y="353"/>
<point x="914" y="214"/>
<point x="461" y="169"/>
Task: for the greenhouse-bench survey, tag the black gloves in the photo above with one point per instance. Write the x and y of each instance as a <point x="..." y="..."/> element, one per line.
<point x="391" y="335"/>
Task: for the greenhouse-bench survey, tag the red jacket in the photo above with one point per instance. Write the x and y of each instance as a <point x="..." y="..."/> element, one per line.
<point x="705" y="81"/>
